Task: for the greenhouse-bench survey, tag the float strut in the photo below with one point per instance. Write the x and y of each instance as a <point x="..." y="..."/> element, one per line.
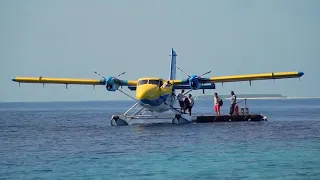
<point x="274" y="82"/>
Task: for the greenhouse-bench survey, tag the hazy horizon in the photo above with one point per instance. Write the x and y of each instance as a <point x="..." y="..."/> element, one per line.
<point x="130" y="100"/>
<point x="75" y="38"/>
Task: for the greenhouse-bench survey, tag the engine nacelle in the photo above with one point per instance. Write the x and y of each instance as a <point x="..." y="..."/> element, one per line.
<point x="112" y="83"/>
<point x="194" y="82"/>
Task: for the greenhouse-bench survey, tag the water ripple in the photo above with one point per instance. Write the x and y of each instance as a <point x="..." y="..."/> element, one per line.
<point x="76" y="141"/>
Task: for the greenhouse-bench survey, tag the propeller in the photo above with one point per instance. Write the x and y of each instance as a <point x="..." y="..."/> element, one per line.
<point x="195" y="81"/>
<point x="199" y="77"/>
<point x="112" y="83"/>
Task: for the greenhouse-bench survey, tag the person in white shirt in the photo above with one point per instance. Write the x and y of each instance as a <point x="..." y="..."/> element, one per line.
<point x="217" y="100"/>
<point x="180" y="98"/>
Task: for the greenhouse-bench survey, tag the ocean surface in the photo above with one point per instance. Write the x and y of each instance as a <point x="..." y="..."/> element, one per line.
<point x="74" y="140"/>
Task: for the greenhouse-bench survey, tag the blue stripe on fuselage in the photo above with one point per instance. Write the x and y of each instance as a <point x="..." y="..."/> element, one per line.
<point x="155" y="102"/>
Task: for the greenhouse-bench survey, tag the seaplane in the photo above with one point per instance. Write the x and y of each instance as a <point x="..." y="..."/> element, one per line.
<point x="156" y="97"/>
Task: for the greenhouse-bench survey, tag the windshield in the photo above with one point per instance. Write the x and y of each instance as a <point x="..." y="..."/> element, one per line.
<point x="142" y="82"/>
<point x="156" y="82"/>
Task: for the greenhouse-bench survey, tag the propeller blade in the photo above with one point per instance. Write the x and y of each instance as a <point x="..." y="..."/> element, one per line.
<point x="205" y="73"/>
<point x="121" y="74"/>
<point x="100" y="75"/>
<point x="183" y="72"/>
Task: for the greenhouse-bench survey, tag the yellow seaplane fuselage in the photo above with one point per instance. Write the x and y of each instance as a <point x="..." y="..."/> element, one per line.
<point x="155" y="94"/>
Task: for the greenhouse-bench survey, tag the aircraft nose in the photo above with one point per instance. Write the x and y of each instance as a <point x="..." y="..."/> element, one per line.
<point x="140" y="94"/>
<point x="146" y="93"/>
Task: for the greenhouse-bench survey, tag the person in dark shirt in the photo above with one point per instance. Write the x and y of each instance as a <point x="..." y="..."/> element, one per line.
<point x="189" y="102"/>
<point x="233" y="102"/>
<point x="181" y="98"/>
<point x="186" y="104"/>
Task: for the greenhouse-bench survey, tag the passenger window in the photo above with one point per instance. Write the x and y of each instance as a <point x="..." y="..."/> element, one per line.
<point x="141" y="82"/>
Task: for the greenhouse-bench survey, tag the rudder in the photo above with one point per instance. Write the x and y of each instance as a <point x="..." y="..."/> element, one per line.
<point x="173" y="65"/>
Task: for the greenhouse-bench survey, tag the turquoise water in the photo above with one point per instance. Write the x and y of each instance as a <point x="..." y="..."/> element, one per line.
<point x="76" y="141"/>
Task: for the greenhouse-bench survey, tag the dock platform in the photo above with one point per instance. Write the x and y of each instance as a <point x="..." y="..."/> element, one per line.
<point x="228" y="118"/>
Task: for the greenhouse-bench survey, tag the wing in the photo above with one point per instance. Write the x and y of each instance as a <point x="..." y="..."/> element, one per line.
<point x="237" y="78"/>
<point x="59" y="80"/>
<point x="252" y="77"/>
<point x="79" y="81"/>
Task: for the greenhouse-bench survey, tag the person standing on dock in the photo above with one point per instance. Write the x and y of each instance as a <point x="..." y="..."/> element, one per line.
<point x="181" y="98"/>
<point x="233" y="102"/>
<point x="217" y="103"/>
<point x="189" y="102"/>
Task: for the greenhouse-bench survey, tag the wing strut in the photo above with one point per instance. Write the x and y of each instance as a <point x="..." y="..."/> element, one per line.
<point x="126" y="94"/>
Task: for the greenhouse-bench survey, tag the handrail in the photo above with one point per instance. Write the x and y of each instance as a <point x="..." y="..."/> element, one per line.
<point x="245" y="102"/>
<point x="242" y="100"/>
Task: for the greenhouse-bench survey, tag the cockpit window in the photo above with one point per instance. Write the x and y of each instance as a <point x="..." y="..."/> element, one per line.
<point x="142" y="82"/>
<point x="156" y="82"/>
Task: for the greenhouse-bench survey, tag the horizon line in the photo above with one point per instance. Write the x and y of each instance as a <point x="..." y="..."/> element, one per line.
<point x="257" y="98"/>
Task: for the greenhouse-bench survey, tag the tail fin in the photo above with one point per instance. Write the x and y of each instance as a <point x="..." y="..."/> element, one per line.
<point x="173" y="65"/>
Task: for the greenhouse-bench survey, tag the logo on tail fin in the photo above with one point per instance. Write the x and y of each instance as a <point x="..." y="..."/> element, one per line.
<point x="173" y="65"/>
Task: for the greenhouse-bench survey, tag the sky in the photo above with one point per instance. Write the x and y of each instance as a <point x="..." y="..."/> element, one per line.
<point x="74" y="38"/>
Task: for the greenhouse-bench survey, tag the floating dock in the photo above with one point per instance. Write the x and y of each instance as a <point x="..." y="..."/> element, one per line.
<point x="243" y="115"/>
<point x="228" y="118"/>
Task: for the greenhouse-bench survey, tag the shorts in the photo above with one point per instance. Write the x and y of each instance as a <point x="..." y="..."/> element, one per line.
<point x="189" y="108"/>
<point x="181" y="104"/>
<point x="217" y="107"/>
